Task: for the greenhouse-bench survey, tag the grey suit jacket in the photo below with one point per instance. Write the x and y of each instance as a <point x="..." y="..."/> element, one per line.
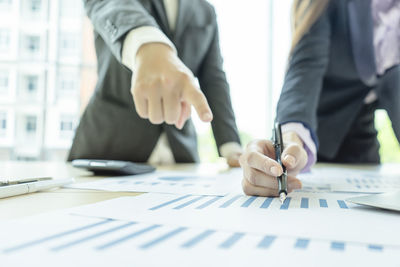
<point x="110" y="128"/>
<point x="330" y="73"/>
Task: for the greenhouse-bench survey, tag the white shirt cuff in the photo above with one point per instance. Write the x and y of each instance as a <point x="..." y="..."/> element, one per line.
<point x="305" y="135"/>
<point x="138" y="37"/>
<point x="230" y="148"/>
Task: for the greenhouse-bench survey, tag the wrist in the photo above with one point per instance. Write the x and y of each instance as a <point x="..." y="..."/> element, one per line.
<point x="153" y="50"/>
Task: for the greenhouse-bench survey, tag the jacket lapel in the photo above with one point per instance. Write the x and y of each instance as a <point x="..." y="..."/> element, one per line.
<point x="361" y="34"/>
<point x="184" y="15"/>
<point x="162" y="15"/>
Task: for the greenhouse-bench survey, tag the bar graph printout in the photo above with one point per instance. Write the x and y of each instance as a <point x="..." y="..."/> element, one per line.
<point x="170" y="182"/>
<point x="313" y="215"/>
<point x="70" y="240"/>
<point x="348" y="180"/>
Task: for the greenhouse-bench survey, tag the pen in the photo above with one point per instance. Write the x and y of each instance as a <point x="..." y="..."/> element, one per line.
<point x="26" y="188"/>
<point x="23" y="181"/>
<point x="278" y="146"/>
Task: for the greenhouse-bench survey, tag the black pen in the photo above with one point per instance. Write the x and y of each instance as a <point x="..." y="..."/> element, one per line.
<point x="278" y="146"/>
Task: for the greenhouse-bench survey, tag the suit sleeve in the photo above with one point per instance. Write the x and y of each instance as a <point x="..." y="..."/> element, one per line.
<point x="215" y="87"/>
<point x="304" y="78"/>
<point x="113" y="19"/>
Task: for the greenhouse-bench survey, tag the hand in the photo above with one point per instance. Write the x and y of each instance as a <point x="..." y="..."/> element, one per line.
<point x="164" y="89"/>
<point x="260" y="169"/>
<point x="233" y="160"/>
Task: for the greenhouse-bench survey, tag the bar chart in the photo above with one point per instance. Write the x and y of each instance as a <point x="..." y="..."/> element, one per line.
<point x="108" y="234"/>
<point x="239" y="201"/>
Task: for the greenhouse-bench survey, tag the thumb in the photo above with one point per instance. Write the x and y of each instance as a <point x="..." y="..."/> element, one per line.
<point x="195" y="97"/>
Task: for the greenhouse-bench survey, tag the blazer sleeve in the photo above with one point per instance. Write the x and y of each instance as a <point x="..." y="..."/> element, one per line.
<point x="215" y="87"/>
<point x="113" y="19"/>
<point x="304" y="77"/>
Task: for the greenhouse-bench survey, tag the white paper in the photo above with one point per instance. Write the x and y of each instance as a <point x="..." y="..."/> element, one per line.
<point x="62" y="239"/>
<point x="171" y="182"/>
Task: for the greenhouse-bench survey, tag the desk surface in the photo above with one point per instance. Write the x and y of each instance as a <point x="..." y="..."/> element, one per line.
<point x="31" y="204"/>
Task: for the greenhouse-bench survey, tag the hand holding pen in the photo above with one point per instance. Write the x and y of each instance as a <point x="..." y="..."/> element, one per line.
<point x="261" y="169"/>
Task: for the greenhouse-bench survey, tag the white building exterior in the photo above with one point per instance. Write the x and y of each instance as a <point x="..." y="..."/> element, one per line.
<point x="40" y="77"/>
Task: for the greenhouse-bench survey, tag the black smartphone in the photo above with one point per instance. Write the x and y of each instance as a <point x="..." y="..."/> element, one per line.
<point x="112" y="167"/>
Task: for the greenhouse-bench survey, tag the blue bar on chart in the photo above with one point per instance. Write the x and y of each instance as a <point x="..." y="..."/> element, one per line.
<point x="337" y="245"/>
<point x="375" y="247"/>
<point x="232" y="240"/>
<point x="285" y="204"/>
<point x="59" y="235"/>
<point x="266" y="242"/>
<point x="248" y="202"/>
<point x="266" y="203"/>
<point x="302" y="243"/>
<point x="169" y="202"/>
<point x="128" y="237"/>
<point x="197" y="239"/>
<point x="93" y="236"/>
<point x="230" y="201"/>
<point x="342" y="204"/>
<point x="188" y="203"/>
<point x="323" y="203"/>
<point x="163" y="238"/>
<point x="304" y="203"/>
<point x="209" y="202"/>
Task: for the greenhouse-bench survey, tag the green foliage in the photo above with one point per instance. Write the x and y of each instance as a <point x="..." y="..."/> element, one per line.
<point x="390" y="147"/>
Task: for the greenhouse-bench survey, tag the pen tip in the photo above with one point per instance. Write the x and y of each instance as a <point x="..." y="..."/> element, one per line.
<point x="282" y="197"/>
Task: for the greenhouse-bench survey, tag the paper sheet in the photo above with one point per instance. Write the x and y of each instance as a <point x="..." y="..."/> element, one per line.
<point x="63" y="239"/>
<point x="171" y="182"/>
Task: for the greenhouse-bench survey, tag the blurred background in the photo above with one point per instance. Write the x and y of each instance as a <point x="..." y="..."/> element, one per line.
<point x="48" y="73"/>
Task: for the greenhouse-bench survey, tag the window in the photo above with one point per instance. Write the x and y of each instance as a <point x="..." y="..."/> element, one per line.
<point x="3" y="122"/>
<point x="35" y="5"/>
<point x="69" y="44"/>
<point x="4" y="40"/>
<point x="33" y="44"/>
<point x="67" y="126"/>
<point x="3" y="81"/>
<point x="68" y="83"/>
<point x="30" y="124"/>
<point x="31" y="83"/>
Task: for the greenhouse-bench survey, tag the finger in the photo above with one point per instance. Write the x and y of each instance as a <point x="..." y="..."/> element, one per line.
<point x="294" y="157"/>
<point x="196" y="98"/>
<point x="258" y="178"/>
<point x="250" y="189"/>
<point x="254" y="159"/>
<point x="233" y="161"/>
<point x="185" y="114"/>
<point x="172" y="108"/>
<point x="155" y="110"/>
<point x="253" y="190"/>
<point x="141" y="106"/>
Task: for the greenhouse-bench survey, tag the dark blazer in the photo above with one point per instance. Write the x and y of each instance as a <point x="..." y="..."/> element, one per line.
<point x="331" y="71"/>
<point x="110" y="128"/>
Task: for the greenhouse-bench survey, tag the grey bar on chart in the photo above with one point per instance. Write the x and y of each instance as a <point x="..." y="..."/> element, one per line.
<point x="232" y="240"/>
<point x="267" y="202"/>
<point x="285" y="204"/>
<point x="128" y="237"/>
<point x="90" y="237"/>
<point x="169" y="202"/>
<point x="266" y="242"/>
<point x="197" y="239"/>
<point x="48" y="238"/>
<point x="209" y="202"/>
<point x="188" y="203"/>
<point x="248" y="202"/>
<point x="230" y="201"/>
<point x="163" y="238"/>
